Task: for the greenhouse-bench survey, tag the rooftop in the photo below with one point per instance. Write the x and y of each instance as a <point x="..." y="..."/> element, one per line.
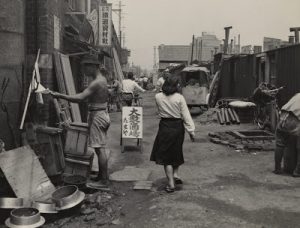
<point x="173" y="52"/>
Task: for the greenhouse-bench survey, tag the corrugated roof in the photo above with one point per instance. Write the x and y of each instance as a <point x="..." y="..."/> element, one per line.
<point x="174" y="52"/>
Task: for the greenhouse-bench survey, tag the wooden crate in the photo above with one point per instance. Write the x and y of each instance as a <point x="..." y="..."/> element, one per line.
<point x="79" y="165"/>
<point x="50" y="150"/>
<point x="77" y="139"/>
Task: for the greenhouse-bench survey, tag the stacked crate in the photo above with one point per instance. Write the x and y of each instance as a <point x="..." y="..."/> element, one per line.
<point x="78" y="158"/>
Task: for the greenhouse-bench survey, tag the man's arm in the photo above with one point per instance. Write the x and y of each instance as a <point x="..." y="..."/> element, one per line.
<point x="136" y="86"/>
<point x="79" y="97"/>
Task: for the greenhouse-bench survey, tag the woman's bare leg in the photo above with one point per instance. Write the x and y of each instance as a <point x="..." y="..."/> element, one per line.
<point x="169" y="173"/>
<point x="175" y="171"/>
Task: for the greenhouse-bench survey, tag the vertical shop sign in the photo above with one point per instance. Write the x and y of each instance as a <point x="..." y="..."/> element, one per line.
<point x="105" y="24"/>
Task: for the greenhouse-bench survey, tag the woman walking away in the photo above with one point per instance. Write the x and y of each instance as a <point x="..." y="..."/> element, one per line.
<point x="175" y="118"/>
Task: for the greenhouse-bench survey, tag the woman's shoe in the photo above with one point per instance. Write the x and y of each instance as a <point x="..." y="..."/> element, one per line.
<point x="168" y="189"/>
<point x="178" y="180"/>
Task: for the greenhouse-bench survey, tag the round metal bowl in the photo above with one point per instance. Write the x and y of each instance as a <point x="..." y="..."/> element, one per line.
<point x="44" y="207"/>
<point x="76" y="180"/>
<point x="11" y="203"/>
<point x="25" y="217"/>
<point x="67" y="197"/>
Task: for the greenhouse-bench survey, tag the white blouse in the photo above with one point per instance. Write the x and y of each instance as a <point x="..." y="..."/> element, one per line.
<point x="174" y="106"/>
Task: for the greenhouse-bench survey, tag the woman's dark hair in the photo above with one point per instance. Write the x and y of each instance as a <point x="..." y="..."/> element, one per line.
<point x="170" y="85"/>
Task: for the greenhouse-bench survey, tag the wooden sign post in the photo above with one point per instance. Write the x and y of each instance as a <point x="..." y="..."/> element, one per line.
<point x="132" y="125"/>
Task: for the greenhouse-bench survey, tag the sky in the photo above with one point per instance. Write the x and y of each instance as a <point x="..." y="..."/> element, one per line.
<point x="151" y="23"/>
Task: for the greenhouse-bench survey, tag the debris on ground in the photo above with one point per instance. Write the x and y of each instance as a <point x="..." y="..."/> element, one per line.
<point x="209" y="116"/>
<point x="143" y="185"/>
<point x="102" y="208"/>
<point x="254" y="143"/>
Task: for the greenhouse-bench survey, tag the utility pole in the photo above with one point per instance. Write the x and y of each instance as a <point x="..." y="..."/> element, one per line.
<point x="119" y="12"/>
<point x="196" y="49"/>
<point x="154" y="59"/>
<point x="192" y="55"/>
<point x="124" y="39"/>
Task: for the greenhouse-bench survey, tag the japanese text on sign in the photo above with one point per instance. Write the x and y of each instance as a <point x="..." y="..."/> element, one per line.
<point x="132" y="122"/>
<point x="105" y="24"/>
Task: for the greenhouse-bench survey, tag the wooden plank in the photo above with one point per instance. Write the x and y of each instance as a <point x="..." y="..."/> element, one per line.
<point x="70" y="85"/>
<point x="25" y="174"/>
<point x="65" y="106"/>
<point x="29" y="93"/>
<point x="82" y="143"/>
<point x="71" y="141"/>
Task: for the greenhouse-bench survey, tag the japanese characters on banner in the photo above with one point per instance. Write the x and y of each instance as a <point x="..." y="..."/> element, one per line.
<point x="132" y="122"/>
<point x="105" y="24"/>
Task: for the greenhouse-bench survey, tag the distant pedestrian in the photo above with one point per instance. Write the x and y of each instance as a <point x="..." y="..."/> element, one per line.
<point x="160" y="82"/>
<point x="289" y="125"/>
<point x="116" y="96"/>
<point x="145" y="82"/>
<point x="129" y="88"/>
<point x="175" y="119"/>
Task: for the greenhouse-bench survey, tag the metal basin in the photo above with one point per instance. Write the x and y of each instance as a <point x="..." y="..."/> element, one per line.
<point x="25" y="217"/>
<point x="11" y="203"/>
<point x="67" y="197"/>
<point x="45" y="208"/>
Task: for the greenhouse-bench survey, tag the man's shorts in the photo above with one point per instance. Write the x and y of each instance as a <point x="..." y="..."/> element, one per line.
<point x="99" y="123"/>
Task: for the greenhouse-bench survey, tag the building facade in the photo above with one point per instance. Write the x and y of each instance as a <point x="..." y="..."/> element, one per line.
<point x="205" y="47"/>
<point x="49" y="26"/>
<point x="168" y="54"/>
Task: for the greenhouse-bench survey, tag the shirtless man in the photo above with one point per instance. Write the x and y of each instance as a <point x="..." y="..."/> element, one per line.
<point x="98" y="119"/>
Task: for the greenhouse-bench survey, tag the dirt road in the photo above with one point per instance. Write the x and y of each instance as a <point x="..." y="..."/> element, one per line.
<point x="222" y="187"/>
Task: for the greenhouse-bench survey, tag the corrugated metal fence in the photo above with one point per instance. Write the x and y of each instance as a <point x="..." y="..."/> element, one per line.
<point x="239" y="75"/>
<point x="238" y="78"/>
<point x="287" y="71"/>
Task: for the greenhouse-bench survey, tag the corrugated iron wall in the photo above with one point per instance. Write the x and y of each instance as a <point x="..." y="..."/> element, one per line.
<point x="238" y="77"/>
<point x="288" y="72"/>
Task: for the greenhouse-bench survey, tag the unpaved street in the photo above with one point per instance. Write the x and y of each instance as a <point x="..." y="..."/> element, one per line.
<point x="222" y="187"/>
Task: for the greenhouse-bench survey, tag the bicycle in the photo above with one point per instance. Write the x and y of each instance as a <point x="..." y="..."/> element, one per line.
<point x="131" y="99"/>
<point x="266" y="114"/>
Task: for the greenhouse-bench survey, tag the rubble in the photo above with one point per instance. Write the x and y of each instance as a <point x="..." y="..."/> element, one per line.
<point x="209" y="116"/>
<point x="228" y="138"/>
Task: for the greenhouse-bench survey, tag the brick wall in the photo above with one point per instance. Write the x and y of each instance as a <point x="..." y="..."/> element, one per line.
<point x="11" y="70"/>
<point x="39" y="29"/>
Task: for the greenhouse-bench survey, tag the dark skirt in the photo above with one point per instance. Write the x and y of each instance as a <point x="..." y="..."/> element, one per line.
<point x="167" y="148"/>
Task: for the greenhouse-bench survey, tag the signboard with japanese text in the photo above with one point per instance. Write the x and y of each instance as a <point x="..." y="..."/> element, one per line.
<point x="132" y="122"/>
<point x="105" y="24"/>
